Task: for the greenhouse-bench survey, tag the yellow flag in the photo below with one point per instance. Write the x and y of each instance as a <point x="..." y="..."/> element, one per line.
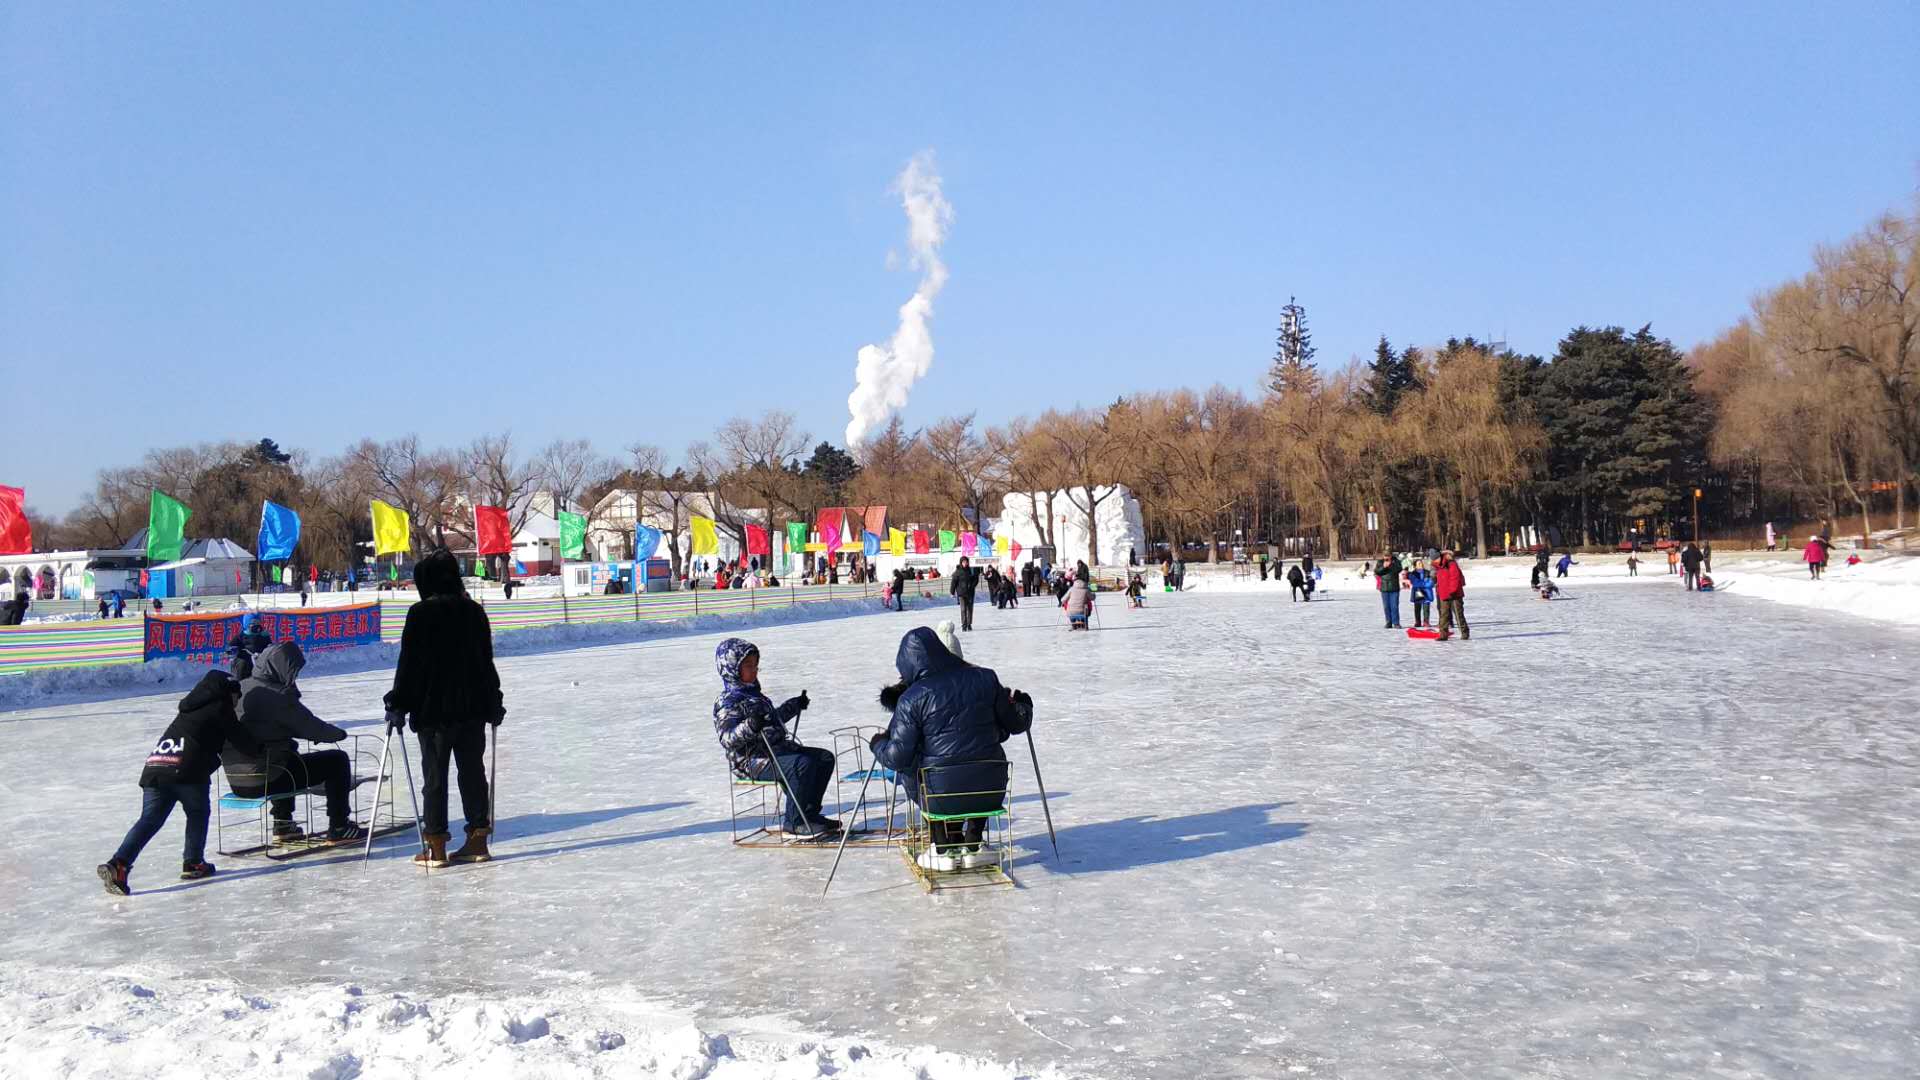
<point x="1000" y="544"/>
<point x="705" y="542"/>
<point x="896" y="542"/>
<point x="392" y="532"/>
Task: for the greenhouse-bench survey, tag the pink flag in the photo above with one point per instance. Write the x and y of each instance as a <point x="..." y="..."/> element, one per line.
<point x="969" y="542"/>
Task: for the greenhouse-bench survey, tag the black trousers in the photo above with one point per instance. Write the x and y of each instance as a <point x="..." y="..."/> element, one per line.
<point x="466" y="746"/>
<point x="330" y="768"/>
<point x="966" y="612"/>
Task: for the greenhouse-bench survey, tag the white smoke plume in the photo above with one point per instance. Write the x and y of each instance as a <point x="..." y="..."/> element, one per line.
<point x="882" y="374"/>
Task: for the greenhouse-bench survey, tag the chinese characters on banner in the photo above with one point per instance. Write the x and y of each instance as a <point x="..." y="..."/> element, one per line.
<point x="204" y="638"/>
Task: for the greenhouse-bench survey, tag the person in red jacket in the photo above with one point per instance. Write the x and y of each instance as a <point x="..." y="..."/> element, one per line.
<point x="1450" y="588"/>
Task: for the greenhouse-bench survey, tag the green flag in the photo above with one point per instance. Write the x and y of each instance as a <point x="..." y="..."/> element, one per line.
<point x="947" y="540"/>
<point x="573" y="536"/>
<point x="393" y="571"/>
<point x="189" y="581"/>
<point x="796" y="541"/>
<point x="88" y="578"/>
<point x="166" y="527"/>
<point x="480" y="568"/>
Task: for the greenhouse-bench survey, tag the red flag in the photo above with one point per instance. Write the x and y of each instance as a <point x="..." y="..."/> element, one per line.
<point x="16" y="536"/>
<point x="144" y="582"/>
<point x="757" y="542"/>
<point x="237" y="579"/>
<point x="920" y="546"/>
<point x="313" y="572"/>
<point x="491" y="533"/>
<point x="1014" y="550"/>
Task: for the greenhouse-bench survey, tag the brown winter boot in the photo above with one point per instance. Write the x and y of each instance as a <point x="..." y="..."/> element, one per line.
<point x="435" y="855"/>
<point x="475" y="849"/>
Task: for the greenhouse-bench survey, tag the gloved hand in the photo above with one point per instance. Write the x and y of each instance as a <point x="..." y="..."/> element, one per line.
<point x="1023" y="700"/>
<point x="497" y="717"/>
<point x="396" y="721"/>
<point x="873" y="744"/>
<point x="800" y="703"/>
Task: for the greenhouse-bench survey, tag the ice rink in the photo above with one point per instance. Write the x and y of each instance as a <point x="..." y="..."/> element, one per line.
<point x="1631" y="833"/>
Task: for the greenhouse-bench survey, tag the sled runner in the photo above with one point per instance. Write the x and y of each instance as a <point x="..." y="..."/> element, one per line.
<point x="935" y="849"/>
<point x="244" y="811"/>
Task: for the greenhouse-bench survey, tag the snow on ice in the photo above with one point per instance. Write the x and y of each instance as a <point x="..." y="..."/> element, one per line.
<point x="1634" y="833"/>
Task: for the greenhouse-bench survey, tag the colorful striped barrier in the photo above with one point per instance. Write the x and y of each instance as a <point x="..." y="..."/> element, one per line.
<point x="119" y="641"/>
<point x="69" y="644"/>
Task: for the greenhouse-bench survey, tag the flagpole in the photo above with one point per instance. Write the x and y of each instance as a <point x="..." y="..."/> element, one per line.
<point x="560" y="555"/>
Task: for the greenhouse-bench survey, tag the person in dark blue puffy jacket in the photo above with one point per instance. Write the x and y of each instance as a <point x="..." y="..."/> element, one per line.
<point x="949" y="719"/>
<point x="749" y="725"/>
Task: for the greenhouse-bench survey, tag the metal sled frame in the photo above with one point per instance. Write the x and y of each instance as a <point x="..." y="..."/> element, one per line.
<point x="760" y="802"/>
<point x="258" y="807"/>
<point x="998" y="838"/>
<point x="867" y="825"/>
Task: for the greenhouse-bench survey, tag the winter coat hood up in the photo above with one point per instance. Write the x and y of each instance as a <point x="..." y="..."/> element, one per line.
<point x="438" y="575"/>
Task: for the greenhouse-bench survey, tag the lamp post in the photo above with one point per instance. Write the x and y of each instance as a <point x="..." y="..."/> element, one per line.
<point x="1696" y="515"/>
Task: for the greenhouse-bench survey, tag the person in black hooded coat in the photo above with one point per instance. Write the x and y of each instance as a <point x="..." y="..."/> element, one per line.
<point x="950" y="717"/>
<point x="966" y="580"/>
<point x="446" y="684"/>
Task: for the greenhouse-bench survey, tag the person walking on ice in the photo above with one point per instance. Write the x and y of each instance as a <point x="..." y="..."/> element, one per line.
<point x="1386" y="576"/>
<point x="1450" y="586"/>
<point x="180" y="771"/>
<point x="1420" y="588"/>
<point x="750" y="727"/>
<point x="446" y="686"/>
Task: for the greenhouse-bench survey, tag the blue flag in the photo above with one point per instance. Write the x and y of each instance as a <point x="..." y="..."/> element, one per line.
<point x="646" y="541"/>
<point x="279" y="531"/>
<point x="870" y="544"/>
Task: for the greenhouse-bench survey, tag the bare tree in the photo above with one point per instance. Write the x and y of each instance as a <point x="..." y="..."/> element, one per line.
<point x="1026" y="459"/>
<point x="668" y="496"/>
<point x="1859" y="310"/>
<point x="965" y="472"/>
<point x="1456" y="420"/>
<point x="497" y="475"/>
<point x="425" y="484"/>
<point x="1089" y="455"/>
<point x="569" y="468"/>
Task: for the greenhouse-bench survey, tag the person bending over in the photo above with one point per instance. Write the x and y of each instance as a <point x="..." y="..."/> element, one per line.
<point x="180" y="770"/>
<point x="750" y="727"/>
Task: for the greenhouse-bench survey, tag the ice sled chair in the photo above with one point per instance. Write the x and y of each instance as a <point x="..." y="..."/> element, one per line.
<point x="754" y="811"/>
<point x="960" y="826"/>
<point x="871" y="815"/>
<point x="246" y="812"/>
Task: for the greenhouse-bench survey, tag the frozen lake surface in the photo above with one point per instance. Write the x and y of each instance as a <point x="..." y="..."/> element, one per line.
<point x="1636" y="833"/>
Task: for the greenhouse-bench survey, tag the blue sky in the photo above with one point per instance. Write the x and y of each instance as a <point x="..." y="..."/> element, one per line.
<point x="322" y="222"/>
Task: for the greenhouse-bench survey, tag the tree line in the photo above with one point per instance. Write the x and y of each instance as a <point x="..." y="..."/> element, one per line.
<point x="1807" y="408"/>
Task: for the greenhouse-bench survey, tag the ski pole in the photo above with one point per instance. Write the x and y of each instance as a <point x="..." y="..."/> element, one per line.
<point x="1042" y="785"/>
<point x="847" y="829"/>
<point x="493" y="777"/>
<point x="379" y="778"/>
<point x="413" y="794"/>
<point x="780" y="772"/>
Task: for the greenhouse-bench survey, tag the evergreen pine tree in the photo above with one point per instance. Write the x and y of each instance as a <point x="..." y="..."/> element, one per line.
<point x="1626" y="429"/>
<point x="1390" y="376"/>
<point x="1292" y="368"/>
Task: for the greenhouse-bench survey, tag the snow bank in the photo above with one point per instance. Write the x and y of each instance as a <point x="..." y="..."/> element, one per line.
<point x="76" y="1024"/>
<point x="1885" y="586"/>
<point x="52" y="686"/>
